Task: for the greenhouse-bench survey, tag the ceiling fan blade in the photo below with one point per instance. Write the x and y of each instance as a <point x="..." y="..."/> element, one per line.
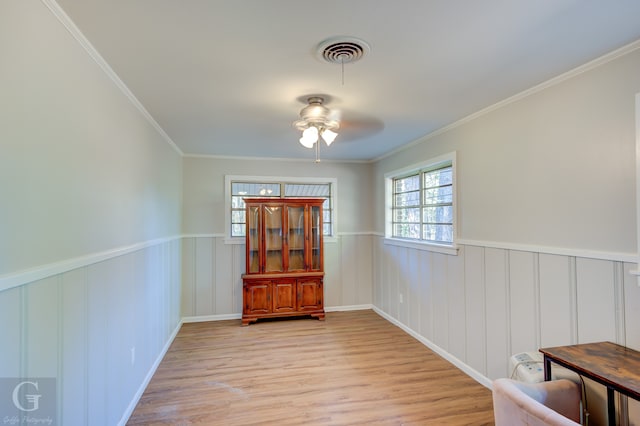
<point x="335" y="114"/>
<point x="354" y="126"/>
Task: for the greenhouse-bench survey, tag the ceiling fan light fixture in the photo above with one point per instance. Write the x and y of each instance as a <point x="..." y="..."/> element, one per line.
<point x="329" y="136"/>
<point x="315" y="122"/>
<point x="309" y="137"/>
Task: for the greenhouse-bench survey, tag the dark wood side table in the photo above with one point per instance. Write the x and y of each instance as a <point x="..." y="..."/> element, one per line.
<point x="614" y="366"/>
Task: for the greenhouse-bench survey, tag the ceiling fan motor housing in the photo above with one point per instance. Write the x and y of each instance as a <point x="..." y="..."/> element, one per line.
<point x="316" y="114"/>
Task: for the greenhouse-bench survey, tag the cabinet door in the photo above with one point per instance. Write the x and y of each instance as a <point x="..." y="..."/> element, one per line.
<point x="295" y="238"/>
<point x="315" y="239"/>
<point x="253" y="239"/>
<point x="310" y="294"/>
<point x="257" y="297"/>
<point x="273" y="238"/>
<point x="284" y="295"/>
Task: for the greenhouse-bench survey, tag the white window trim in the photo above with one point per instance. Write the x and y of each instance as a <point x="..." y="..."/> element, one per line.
<point x="228" y="239"/>
<point x="388" y="200"/>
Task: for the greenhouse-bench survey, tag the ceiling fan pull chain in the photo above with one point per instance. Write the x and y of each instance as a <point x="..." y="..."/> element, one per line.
<point x="342" y="61"/>
<point x="318" y="151"/>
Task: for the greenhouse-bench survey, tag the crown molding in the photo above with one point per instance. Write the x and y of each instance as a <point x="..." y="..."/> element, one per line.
<point x="75" y="32"/>
<point x="249" y="158"/>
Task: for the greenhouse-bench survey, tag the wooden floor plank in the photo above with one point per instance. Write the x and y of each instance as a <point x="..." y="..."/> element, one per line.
<point x="354" y="368"/>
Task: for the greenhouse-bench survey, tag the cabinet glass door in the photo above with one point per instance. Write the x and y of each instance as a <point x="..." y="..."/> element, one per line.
<point x="316" y="237"/>
<point x="295" y="216"/>
<point x="253" y="239"/>
<point x="273" y="238"/>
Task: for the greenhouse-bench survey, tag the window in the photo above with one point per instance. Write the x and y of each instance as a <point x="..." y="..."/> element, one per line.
<point x="422" y="202"/>
<point x="240" y="187"/>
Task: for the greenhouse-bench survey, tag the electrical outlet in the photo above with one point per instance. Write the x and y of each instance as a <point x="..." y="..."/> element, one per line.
<point x="401" y="298"/>
<point x="133" y="355"/>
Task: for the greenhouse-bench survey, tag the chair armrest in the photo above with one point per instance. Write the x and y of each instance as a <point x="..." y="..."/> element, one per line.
<point x="555" y="402"/>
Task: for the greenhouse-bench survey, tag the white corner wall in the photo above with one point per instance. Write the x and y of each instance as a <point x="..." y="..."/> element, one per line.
<point x="90" y="254"/>
<point x="547" y="227"/>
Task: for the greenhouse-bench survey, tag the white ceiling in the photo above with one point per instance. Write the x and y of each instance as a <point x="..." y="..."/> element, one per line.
<point x="228" y="77"/>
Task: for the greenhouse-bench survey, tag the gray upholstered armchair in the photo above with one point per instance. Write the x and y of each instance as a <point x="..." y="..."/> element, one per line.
<point x="555" y="403"/>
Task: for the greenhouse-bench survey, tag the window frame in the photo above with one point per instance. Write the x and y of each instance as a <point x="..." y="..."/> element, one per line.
<point x="228" y="179"/>
<point x="420" y="168"/>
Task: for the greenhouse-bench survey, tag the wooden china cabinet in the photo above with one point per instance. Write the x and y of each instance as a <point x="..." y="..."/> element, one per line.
<point x="284" y="259"/>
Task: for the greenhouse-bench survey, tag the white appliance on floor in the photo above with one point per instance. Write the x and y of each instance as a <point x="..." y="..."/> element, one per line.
<point x="529" y="367"/>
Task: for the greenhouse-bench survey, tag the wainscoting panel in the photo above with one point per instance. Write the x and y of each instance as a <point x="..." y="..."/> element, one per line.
<point x="413" y="294"/>
<point x="596" y="300"/>
<point x="424" y="280"/>
<point x="74" y="349"/>
<point x="440" y="305"/>
<point x="11" y="310"/>
<point x="487" y="303"/>
<point x="523" y="301"/>
<point x="402" y="282"/>
<point x="632" y="324"/>
<point x="212" y="275"/>
<point x="41" y="333"/>
<point x="476" y="316"/>
<point x="557" y="300"/>
<point x="456" y="300"/>
<point x="204" y="275"/>
<point x="498" y="311"/>
<point x="348" y="254"/>
<point x="333" y="266"/>
<point x="224" y="293"/>
<point x="364" y="270"/>
<point x="378" y="279"/>
<point x="98" y="329"/>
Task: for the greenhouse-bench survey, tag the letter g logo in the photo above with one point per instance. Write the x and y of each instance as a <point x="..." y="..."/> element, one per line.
<point x="31" y="399"/>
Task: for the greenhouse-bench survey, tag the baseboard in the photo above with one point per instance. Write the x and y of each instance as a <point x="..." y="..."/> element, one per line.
<point x="347" y="308"/>
<point x="205" y="318"/>
<point x="469" y="371"/>
<point x="143" y="386"/>
<point x="224" y="317"/>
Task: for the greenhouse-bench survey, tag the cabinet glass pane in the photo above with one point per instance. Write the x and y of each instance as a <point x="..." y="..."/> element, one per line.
<point x="316" y="237"/>
<point x="254" y="239"/>
<point x="273" y="238"/>
<point x="295" y="215"/>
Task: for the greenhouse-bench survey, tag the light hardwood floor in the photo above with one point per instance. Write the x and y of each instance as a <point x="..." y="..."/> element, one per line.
<point x="355" y="368"/>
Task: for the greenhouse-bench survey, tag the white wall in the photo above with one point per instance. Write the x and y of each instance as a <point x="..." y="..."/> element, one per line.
<point x="547" y="226"/>
<point x="204" y="206"/>
<point x="75" y="152"/>
<point x="212" y="284"/>
<point x="90" y="255"/>
<point x="555" y="169"/>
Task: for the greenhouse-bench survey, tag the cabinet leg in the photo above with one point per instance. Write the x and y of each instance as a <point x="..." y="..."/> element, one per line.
<point x="247" y="321"/>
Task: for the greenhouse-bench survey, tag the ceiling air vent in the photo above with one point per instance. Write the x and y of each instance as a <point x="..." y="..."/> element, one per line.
<point x="342" y="50"/>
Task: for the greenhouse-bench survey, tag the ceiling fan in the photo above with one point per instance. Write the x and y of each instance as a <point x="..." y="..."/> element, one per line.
<point x="318" y="122"/>
<point x="315" y="122"/>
